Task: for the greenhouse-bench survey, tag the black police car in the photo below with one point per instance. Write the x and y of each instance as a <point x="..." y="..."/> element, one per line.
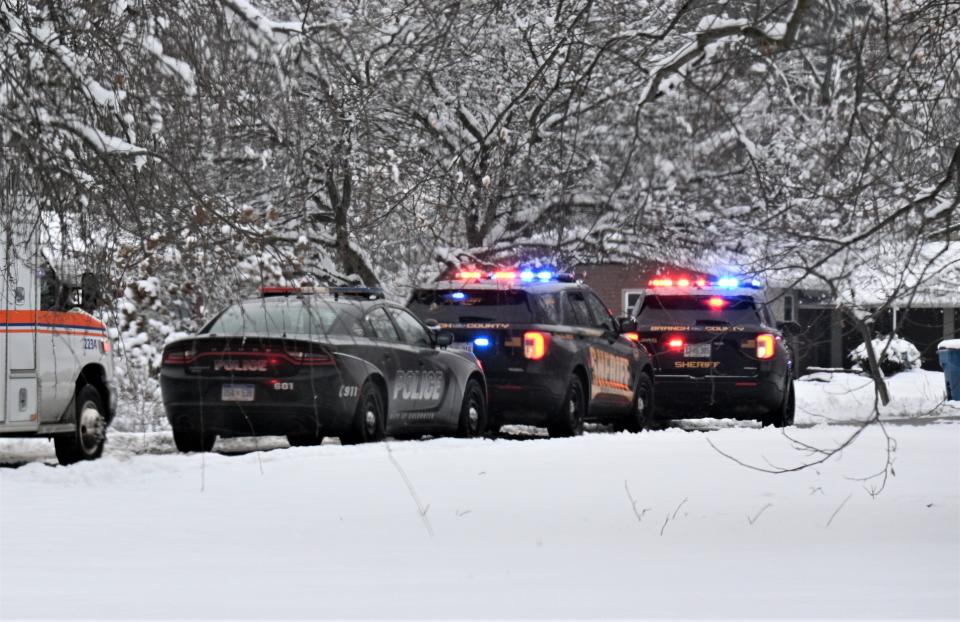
<point x="552" y="353"/>
<point x="717" y="350"/>
<point x="312" y="363"/>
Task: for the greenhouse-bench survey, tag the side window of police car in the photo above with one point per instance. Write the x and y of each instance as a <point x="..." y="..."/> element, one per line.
<point x="549" y="308"/>
<point x="411" y="330"/>
<point x="381" y="325"/>
<point x="580" y="315"/>
<point x="601" y="316"/>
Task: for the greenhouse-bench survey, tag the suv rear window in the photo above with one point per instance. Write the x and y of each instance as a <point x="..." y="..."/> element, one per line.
<point x="473" y="305"/>
<point x="697" y="310"/>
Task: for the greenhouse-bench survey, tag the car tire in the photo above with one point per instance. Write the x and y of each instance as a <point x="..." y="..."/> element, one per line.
<point x="783" y="416"/>
<point x="473" y="411"/>
<point x="640" y="416"/>
<point x="90" y="433"/>
<point x="369" y="420"/>
<point x="304" y="439"/>
<point x="188" y="440"/>
<point x="569" y="421"/>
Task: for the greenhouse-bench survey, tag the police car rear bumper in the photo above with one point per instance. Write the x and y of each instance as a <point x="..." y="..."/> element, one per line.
<point x="722" y="396"/>
<point x="193" y="407"/>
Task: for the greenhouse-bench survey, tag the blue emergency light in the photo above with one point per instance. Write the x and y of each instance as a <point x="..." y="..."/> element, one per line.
<point x="481" y="342"/>
<point x="458" y="295"/>
<point x="543" y="275"/>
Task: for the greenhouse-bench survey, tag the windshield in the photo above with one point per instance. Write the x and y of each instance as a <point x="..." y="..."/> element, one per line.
<point x="702" y="310"/>
<point x="472" y="305"/>
<point x="282" y="317"/>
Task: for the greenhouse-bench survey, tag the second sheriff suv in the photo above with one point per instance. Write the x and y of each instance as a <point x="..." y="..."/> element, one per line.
<point x="717" y="350"/>
<point x="552" y="352"/>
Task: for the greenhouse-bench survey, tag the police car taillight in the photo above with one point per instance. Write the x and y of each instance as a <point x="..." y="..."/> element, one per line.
<point x="675" y="343"/>
<point x="535" y="344"/>
<point x="766" y="346"/>
<point x="178" y="357"/>
<point x="310" y="359"/>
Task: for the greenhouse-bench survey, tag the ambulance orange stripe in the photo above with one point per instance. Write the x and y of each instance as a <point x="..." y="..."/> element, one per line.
<point x="51" y="332"/>
<point x="79" y="320"/>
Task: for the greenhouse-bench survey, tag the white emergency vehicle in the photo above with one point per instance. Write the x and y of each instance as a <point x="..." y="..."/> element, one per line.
<point x="55" y="360"/>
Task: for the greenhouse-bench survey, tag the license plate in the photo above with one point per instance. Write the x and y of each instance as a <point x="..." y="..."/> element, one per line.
<point x="697" y="350"/>
<point x="462" y="345"/>
<point x="237" y="393"/>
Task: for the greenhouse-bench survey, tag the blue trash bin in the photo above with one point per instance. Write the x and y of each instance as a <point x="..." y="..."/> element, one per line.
<point x="949" y="353"/>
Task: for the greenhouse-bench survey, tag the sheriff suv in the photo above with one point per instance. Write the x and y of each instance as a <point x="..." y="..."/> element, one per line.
<point x="716" y="350"/>
<point x="552" y="352"/>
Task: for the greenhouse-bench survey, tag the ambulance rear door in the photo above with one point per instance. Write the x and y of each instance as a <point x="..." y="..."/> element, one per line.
<point x="18" y="326"/>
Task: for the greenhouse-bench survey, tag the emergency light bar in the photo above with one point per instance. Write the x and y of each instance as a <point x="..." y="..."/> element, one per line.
<point x="724" y="282"/>
<point x="524" y="275"/>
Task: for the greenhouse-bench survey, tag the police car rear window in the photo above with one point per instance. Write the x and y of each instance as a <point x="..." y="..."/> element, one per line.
<point x="694" y="310"/>
<point x="472" y="305"/>
<point x="286" y="317"/>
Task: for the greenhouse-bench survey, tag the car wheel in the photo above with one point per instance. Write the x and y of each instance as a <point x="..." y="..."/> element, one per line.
<point x="368" y="421"/>
<point x="86" y="441"/>
<point x="641" y="414"/>
<point x="304" y="439"/>
<point x="782" y="416"/>
<point x="569" y="421"/>
<point x="191" y="441"/>
<point x="473" y="412"/>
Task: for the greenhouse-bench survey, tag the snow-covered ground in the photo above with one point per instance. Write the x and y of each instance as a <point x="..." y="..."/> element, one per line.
<point x="844" y="397"/>
<point x="607" y="525"/>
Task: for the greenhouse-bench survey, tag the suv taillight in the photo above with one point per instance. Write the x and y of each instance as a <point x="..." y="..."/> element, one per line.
<point x="766" y="346"/>
<point x="535" y="344"/>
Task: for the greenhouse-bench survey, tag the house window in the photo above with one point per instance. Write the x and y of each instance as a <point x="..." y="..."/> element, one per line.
<point x="630" y="298"/>
<point x="788" y="314"/>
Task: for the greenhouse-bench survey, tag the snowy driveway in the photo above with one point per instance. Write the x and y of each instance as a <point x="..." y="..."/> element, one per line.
<point x="606" y="525"/>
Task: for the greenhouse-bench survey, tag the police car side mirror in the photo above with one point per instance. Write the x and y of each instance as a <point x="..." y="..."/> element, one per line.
<point x="626" y="324"/>
<point x="89" y="292"/>
<point x="790" y="328"/>
<point x="443" y="338"/>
